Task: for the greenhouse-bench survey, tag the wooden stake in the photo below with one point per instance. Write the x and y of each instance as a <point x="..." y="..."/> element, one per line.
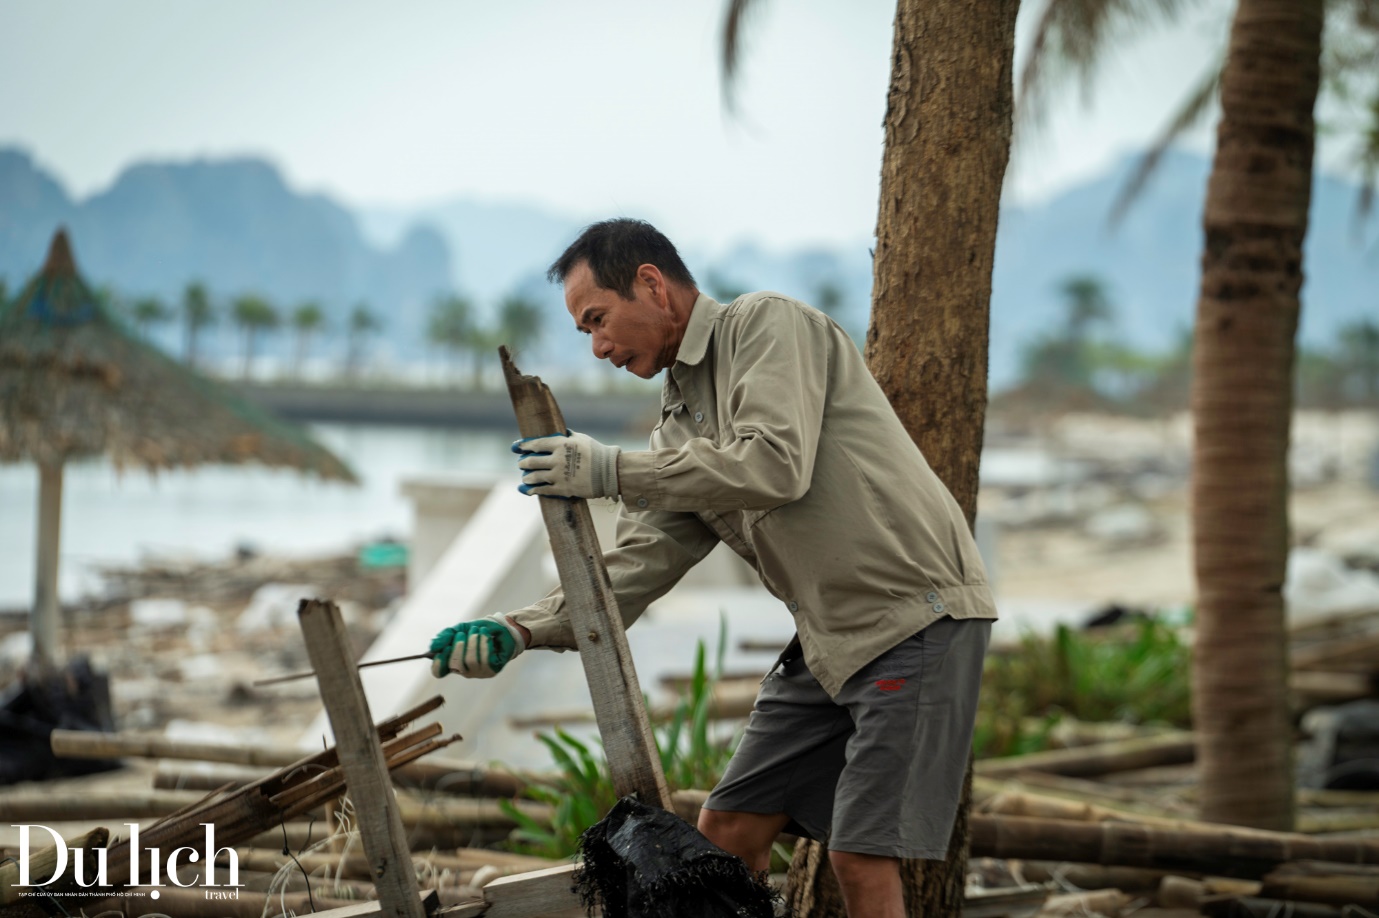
<point x="361" y="758"/>
<point x="633" y="762"/>
<point x="44" y="617"/>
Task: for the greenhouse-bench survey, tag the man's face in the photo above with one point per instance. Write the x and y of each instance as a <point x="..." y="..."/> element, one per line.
<point x="637" y="335"/>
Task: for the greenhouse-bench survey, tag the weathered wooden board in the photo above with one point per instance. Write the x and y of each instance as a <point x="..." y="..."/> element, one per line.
<point x="361" y="758"/>
<point x="629" y="746"/>
<point x="535" y="893"/>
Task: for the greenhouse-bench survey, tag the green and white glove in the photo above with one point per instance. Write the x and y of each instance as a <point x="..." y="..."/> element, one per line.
<point x="478" y="649"/>
<point x="567" y="465"/>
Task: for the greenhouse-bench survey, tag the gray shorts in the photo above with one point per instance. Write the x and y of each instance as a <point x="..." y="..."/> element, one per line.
<point x="877" y="770"/>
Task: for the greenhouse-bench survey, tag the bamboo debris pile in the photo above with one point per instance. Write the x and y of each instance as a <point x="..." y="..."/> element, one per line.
<point x="1117" y="843"/>
<point x="237" y="814"/>
<point x="235" y="580"/>
<point x="1335" y="659"/>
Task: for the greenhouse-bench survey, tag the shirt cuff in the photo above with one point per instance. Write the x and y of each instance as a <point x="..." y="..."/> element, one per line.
<point x="549" y="628"/>
<point x="637" y="480"/>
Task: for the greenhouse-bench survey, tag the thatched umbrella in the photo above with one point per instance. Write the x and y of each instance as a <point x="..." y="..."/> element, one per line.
<point x="74" y="382"/>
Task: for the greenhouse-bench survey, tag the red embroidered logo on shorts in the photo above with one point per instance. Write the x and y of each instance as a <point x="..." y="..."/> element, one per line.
<point x="889" y="685"/>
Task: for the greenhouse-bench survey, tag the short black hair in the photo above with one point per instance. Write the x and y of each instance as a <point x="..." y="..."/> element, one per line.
<point x="615" y="249"/>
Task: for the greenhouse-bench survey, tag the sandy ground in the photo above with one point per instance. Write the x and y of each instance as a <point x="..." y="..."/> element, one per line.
<point x="1067" y="564"/>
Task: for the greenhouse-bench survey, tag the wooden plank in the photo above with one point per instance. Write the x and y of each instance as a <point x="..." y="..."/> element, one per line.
<point x="633" y="762"/>
<point x="530" y="894"/>
<point x="361" y="758"/>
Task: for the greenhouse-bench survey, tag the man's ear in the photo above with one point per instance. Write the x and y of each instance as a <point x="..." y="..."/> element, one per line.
<point x="655" y="282"/>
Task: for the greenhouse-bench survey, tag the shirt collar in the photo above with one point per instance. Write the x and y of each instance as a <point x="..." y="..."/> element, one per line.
<point x="695" y="343"/>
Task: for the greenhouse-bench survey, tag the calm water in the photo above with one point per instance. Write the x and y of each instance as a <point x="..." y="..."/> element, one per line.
<point x="109" y="518"/>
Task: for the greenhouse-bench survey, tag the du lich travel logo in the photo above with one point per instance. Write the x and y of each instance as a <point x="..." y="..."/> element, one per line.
<point x="45" y="857"/>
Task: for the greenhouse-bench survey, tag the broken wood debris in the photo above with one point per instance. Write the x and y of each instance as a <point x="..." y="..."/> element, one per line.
<point x="238" y="815"/>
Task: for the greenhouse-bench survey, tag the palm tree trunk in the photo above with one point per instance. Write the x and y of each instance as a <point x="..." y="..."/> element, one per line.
<point x="47" y="607"/>
<point x="1242" y="387"/>
<point x="249" y="332"/>
<point x="948" y="126"/>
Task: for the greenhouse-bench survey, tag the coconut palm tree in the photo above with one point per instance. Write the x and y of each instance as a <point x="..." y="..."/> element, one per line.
<point x="828" y="298"/>
<point x="942" y="166"/>
<point x="519" y="322"/>
<point x="255" y="316"/>
<point x="1256" y="218"/>
<point x="147" y="313"/>
<point x="1360" y="358"/>
<point x="307" y="320"/>
<point x="362" y="324"/>
<point x="1242" y="388"/>
<point x="197" y="313"/>
<point x="451" y="326"/>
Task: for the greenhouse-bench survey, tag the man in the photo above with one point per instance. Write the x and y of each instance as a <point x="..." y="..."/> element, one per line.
<point x="775" y="439"/>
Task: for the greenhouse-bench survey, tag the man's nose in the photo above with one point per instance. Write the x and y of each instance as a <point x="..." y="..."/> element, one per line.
<point x="602" y="346"/>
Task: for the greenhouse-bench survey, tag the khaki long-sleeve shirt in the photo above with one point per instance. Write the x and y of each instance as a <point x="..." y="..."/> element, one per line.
<point x="775" y="439"/>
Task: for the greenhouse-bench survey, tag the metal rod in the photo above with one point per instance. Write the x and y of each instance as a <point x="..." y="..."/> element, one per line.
<point x="307" y="675"/>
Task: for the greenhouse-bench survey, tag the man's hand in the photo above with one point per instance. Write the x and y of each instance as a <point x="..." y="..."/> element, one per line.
<point x="478" y="649"/>
<point x="567" y="465"/>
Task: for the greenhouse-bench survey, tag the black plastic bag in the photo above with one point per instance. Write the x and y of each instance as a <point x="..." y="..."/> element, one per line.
<point x="75" y="697"/>
<point x="643" y="862"/>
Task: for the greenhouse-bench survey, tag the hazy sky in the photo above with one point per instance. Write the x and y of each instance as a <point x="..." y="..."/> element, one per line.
<point x="594" y="108"/>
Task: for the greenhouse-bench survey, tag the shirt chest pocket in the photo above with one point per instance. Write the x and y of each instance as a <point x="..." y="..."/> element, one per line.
<point x="674" y="428"/>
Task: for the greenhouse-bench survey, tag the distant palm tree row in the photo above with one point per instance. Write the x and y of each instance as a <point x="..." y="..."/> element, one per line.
<point x="1083" y="364"/>
<point x="254" y="316"/>
<point x="454" y="325"/>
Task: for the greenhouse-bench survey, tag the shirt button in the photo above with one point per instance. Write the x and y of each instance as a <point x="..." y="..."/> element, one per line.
<point x="642" y="502"/>
<point x="793" y="607"/>
<point x="699" y="416"/>
<point x="932" y="597"/>
<point x="938" y="607"/>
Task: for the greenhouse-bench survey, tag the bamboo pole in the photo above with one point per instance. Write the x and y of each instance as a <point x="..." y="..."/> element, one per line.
<point x="1087" y="761"/>
<point x="1350" y="652"/>
<point x="1327" y="884"/>
<point x="445" y="776"/>
<point x="81" y="744"/>
<point x="46" y="610"/>
<point x="1108" y="902"/>
<point x="1087" y="876"/>
<point x="1313" y="687"/>
<point x="71" y="806"/>
<point x="1253" y="907"/>
<point x="1226" y="851"/>
<point x="1081" y="789"/>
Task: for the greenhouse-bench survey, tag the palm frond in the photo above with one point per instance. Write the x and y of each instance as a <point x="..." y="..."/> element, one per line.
<point x="1072" y="36"/>
<point x="1195" y="107"/>
<point x="1367" y="164"/>
<point x="734" y="25"/>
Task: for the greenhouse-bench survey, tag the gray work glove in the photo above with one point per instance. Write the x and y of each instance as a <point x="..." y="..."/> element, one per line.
<point x="567" y="465"/>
